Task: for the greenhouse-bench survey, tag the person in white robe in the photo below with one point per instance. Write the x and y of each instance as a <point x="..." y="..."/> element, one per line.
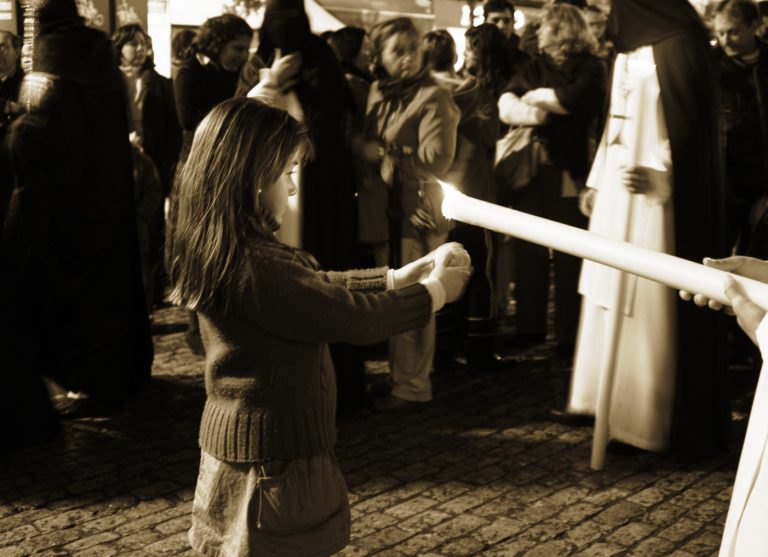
<point x="630" y="194"/>
<point x="746" y="527"/>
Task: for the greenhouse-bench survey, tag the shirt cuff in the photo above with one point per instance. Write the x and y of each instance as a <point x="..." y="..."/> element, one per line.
<point x="436" y="292"/>
<point x="391" y="279"/>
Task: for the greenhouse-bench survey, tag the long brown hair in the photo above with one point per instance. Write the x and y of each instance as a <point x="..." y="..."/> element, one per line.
<point x="240" y="148"/>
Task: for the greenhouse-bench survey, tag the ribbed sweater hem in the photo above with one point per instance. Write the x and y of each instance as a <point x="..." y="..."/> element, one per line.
<point x="247" y="436"/>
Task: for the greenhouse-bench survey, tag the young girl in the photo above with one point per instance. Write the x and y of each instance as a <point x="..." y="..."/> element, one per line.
<point x="269" y="483"/>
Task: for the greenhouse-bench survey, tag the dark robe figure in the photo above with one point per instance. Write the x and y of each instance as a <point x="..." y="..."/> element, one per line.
<point x="685" y="69"/>
<point x="72" y="307"/>
<point x="328" y="201"/>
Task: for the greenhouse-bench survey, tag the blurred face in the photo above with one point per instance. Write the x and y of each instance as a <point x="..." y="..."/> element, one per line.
<point x="134" y="52"/>
<point x="363" y="59"/>
<point x="401" y="56"/>
<point x="596" y="24"/>
<point x="546" y="39"/>
<point x="470" y="58"/>
<point x="9" y="55"/>
<point x="505" y="21"/>
<point x="234" y="54"/>
<point x="274" y="198"/>
<point x="736" y="38"/>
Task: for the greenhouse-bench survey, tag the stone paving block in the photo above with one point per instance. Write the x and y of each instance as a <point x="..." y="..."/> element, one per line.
<point x="372" y="522"/>
<point x="681" y="529"/>
<point x="708" y="511"/>
<point x="462" y="547"/>
<point x="619" y="514"/>
<point x="175" y="525"/>
<point x="19" y="533"/>
<point x="605" y="497"/>
<point x="420" y="544"/>
<point x="510" y="548"/>
<point x="666" y="513"/>
<point x="550" y="548"/>
<point x="90" y="541"/>
<point x="600" y="550"/>
<point x="460" y="526"/>
<point x="500" y="529"/>
<point x="631" y="534"/>
<point x="574" y="514"/>
<point x="138" y="540"/>
<point x="385" y="538"/>
<point x="424" y="520"/>
<point x="411" y="507"/>
<point x="704" y="543"/>
<point x="97" y="551"/>
<point x="13" y="551"/>
<point x="584" y="534"/>
<point x="353" y="551"/>
<point x="649" y="497"/>
<point x="653" y="546"/>
<point x="169" y="545"/>
<point x="447" y="490"/>
<point x="51" y="539"/>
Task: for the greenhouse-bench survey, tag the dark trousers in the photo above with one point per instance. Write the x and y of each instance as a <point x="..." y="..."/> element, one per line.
<point x="544" y="198"/>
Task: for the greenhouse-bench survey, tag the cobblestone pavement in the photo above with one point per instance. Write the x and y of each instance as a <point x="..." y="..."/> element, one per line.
<point x="481" y="470"/>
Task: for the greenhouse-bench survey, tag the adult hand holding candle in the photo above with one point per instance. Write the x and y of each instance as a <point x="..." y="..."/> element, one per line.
<point x="674" y="272"/>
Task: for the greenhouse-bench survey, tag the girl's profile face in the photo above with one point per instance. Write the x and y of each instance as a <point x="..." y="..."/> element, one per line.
<point x="134" y="52"/>
<point x="274" y="198"/>
<point x="401" y="56"/>
<point x="234" y="53"/>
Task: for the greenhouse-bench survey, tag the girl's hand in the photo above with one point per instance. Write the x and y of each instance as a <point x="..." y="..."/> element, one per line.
<point x="387" y="170"/>
<point x="454" y="279"/>
<point x="452" y="254"/>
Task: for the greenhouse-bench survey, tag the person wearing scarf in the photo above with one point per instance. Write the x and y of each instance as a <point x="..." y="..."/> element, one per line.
<point x="409" y="141"/>
<point x="659" y="156"/>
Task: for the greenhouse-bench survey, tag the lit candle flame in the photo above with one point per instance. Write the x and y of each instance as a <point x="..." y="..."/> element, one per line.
<point x="447" y="188"/>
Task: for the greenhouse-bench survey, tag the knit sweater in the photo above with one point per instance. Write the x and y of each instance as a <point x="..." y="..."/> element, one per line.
<point x="269" y="376"/>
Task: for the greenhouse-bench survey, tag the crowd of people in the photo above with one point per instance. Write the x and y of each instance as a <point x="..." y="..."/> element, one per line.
<point x="245" y="188"/>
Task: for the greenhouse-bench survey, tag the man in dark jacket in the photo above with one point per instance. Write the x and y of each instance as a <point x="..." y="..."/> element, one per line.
<point x="743" y="62"/>
<point x="72" y="308"/>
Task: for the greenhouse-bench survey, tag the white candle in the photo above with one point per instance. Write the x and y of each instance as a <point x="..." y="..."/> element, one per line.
<point x="674" y="272"/>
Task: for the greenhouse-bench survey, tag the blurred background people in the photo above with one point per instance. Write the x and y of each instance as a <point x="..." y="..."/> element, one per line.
<point x="743" y="84"/>
<point x="208" y="76"/>
<point x="487" y="59"/>
<point x="155" y="130"/>
<point x="69" y="251"/>
<point x="560" y="94"/>
<point x="501" y="13"/>
<point x="472" y="173"/>
<point x="409" y="140"/>
<point x="210" y="73"/>
<point x="11" y="73"/>
<point x="315" y="91"/>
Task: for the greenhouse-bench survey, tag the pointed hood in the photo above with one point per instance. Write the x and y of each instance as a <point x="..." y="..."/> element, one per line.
<point x="636" y="23"/>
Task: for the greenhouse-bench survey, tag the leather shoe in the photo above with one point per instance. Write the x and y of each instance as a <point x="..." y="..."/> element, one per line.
<point x="568" y="418"/>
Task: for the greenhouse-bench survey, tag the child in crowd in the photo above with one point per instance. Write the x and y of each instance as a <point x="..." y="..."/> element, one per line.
<point x="409" y="140"/>
<point x="268" y="482"/>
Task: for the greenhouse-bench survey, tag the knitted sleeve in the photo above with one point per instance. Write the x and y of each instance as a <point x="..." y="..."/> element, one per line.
<point x="295" y="302"/>
<point x="368" y="280"/>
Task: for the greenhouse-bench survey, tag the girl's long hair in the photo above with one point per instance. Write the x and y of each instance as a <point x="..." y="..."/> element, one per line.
<point x="240" y="148"/>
